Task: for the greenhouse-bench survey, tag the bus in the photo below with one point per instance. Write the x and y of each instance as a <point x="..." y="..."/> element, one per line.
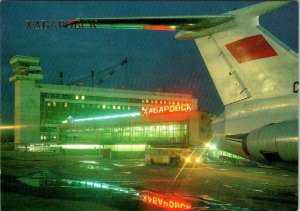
<point x="171" y="156"/>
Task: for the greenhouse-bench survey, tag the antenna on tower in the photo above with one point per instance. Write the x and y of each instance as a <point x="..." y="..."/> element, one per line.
<point x="61" y="75"/>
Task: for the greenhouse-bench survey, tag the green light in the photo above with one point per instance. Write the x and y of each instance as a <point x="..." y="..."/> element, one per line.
<point x="134" y="147"/>
<point x="108" y="117"/>
<point x="80" y="146"/>
<point x="213" y="147"/>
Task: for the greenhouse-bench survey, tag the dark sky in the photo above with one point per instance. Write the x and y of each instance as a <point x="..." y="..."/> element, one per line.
<point x="156" y="60"/>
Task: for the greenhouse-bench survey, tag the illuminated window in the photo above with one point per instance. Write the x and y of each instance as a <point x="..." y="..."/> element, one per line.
<point x="66" y="105"/>
<point x="160" y="102"/>
<point x="82" y="97"/>
<point x="76" y="97"/>
<point x="104" y="106"/>
<point x="152" y="101"/>
<point x="143" y="101"/>
<point x="49" y="104"/>
<point x="54" y="137"/>
<point x="129" y="108"/>
<point x="155" y="101"/>
<point x="42" y="137"/>
<point x="147" y="101"/>
<point x="114" y="107"/>
<point x="165" y="102"/>
<point x="54" y="103"/>
<point x="119" y="107"/>
<point x="171" y="128"/>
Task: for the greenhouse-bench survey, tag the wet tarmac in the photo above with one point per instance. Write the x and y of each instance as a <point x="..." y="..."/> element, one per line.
<point x="132" y="185"/>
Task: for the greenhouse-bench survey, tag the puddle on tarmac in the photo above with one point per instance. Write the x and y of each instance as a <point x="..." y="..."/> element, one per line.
<point x="178" y="201"/>
<point x="65" y="183"/>
<point x="89" y="162"/>
<point x="96" y="167"/>
<point x="144" y="199"/>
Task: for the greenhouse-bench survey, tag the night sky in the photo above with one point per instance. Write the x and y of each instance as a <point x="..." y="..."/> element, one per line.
<point x="156" y="61"/>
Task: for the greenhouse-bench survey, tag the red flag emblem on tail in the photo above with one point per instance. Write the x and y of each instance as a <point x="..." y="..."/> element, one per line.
<point x="251" y="48"/>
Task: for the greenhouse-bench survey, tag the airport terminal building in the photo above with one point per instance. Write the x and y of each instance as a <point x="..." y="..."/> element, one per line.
<point x="101" y="118"/>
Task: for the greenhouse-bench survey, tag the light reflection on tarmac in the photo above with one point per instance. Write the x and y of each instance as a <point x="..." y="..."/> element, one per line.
<point x="148" y="199"/>
<point x="132" y="185"/>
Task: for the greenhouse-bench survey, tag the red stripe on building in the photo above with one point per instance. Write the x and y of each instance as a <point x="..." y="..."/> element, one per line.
<point x="251" y="48"/>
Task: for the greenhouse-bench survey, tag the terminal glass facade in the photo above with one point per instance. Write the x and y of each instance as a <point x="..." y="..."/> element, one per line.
<point x="58" y="107"/>
<point x="159" y="133"/>
<point x="55" y="108"/>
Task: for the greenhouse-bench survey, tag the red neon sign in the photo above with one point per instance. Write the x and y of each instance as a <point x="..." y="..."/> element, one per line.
<point x="184" y="107"/>
<point x="165" y="201"/>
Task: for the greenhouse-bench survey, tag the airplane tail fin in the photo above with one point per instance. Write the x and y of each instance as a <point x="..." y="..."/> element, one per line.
<point x="245" y="60"/>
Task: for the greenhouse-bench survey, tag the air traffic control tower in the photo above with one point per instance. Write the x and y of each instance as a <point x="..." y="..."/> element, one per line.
<point x="26" y="72"/>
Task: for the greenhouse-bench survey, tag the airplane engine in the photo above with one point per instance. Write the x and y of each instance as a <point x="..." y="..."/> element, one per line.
<point x="274" y="142"/>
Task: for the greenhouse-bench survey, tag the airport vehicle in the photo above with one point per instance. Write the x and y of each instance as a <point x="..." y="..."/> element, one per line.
<point x="170" y="156"/>
<point x="255" y="74"/>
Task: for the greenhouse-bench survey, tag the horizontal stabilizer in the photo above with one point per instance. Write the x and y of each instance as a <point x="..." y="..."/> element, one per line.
<point x="259" y="9"/>
<point x="190" y="27"/>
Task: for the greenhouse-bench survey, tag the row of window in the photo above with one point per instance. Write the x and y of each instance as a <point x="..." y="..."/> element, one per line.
<point x="84" y="97"/>
<point x="81" y="105"/>
<point x="107" y="99"/>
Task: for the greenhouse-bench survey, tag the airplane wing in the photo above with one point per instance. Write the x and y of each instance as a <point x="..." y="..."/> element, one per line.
<point x="189" y="23"/>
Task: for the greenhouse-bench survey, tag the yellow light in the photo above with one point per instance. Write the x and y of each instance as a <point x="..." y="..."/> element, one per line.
<point x="76" y="97"/>
<point x="82" y="97"/>
<point x="207" y="144"/>
<point x="10" y="127"/>
<point x="188" y="159"/>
